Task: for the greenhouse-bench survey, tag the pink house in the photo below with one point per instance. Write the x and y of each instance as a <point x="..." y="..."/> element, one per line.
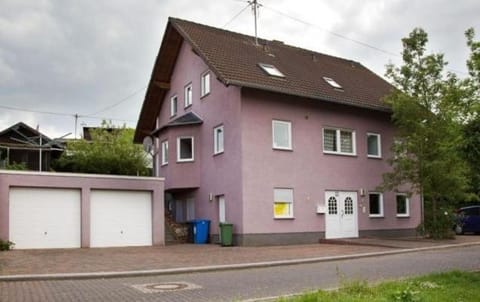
<point x="287" y="144"/>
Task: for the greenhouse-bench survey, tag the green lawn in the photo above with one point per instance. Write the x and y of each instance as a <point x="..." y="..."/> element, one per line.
<point x="452" y="286"/>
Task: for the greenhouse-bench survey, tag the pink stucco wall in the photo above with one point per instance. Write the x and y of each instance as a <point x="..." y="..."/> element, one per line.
<point x="85" y="183"/>
<point x="209" y="174"/>
<point x="307" y="169"/>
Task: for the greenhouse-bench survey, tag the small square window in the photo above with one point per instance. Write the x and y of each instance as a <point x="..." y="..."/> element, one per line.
<point x="339" y="141"/>
<point x="271" y="70"/>
<point x="185" y="149"/>
<point x="218" y="135"/>
<point x="282" y="203"/>
<point x="403" y="205"/>
<point x="374" y="145"/>
<point x="188" y="95"/>
<point x="164" y="153"/>
<point x="173" y="105"/>
<point x="205" y="84"/>
<point x="375" y="202"/>
<point x="282" y="135"/>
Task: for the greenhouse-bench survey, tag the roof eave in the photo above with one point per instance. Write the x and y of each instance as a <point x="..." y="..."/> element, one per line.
<point x="324" y="99"/>
<point x="159" y="82"/>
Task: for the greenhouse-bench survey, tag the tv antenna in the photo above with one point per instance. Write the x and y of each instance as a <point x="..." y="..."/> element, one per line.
<point x="150" y="148"/>
<point x="255" y="7"/>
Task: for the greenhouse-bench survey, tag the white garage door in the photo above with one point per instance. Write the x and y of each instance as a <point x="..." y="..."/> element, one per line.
<point x="44" y="218"/>
<point x="120" y="218"/>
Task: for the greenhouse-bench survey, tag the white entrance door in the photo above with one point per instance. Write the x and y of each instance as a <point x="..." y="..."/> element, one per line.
<point x="341" y="214"/>
<point x="44" y="218"/>
<point x="221" y="209"/>
<point x="120" y="218"/>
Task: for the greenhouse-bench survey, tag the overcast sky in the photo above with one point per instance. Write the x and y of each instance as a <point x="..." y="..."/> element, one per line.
<point x="82" y="57"/>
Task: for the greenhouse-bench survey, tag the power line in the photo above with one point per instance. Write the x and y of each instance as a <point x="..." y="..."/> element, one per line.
<point x="35" y="111"/>
<point x="346" y="37"/>
<point x="238" y="14"/>
<point x="331" y="32"/>
<point x="63" y="114"/>
<point x="119" y="102"/>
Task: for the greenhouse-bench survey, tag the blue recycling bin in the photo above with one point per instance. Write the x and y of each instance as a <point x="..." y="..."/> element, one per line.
<point x="201" y="230"/>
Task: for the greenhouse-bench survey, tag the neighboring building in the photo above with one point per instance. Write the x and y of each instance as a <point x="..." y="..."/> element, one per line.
<point x="287" y="144"/>
<point x="21" y="143"/>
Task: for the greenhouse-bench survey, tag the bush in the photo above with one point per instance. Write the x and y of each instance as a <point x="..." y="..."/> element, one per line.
<point x="6" y="245"/>
<point x="439" y="225"/>
<point x="17" y="166"/>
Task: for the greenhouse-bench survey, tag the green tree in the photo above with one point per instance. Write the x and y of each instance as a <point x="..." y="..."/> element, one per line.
<point x="111" y="151"/>
<point x="471" y="153"/>
<point x="428" y="107"/>
<point x="471" y="131"/>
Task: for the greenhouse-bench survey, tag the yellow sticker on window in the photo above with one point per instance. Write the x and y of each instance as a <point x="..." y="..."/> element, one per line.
<point x="281" y="209"/>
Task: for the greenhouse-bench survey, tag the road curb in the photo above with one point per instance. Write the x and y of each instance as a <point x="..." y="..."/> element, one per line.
<point x="202" y="269"/>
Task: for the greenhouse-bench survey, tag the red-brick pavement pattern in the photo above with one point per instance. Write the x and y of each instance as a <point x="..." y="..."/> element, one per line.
<point x="187" y="255"/>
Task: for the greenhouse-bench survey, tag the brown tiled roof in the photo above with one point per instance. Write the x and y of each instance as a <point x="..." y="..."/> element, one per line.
<point x="234" y="59"/>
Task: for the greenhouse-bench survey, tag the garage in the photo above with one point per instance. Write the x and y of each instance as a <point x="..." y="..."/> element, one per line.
<point x="44" y="218"/>
<point x="120" y="218"/>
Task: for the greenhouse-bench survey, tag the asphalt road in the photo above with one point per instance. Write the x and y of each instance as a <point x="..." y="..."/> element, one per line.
<point x="238" y="285"/>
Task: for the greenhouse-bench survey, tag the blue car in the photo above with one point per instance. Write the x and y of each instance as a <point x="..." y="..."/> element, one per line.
<point x="467" y="220"/>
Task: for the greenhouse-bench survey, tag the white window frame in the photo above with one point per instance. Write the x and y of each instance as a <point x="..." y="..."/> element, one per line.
<point x="217" y="149"/>
<point x="164" y="152"/>
<point x="339" y="143"/>
<point x="289" y="124"/>
<point x="173" y="100"/>
<point x="271" y="70"/>
<point x="407" y="205"/>
<point x="205" y="84"/>
<point x="379" y="145"/>
<point x="178" y="149"/>
<point x="188" y="95"/>
<point x="290" y="203"/>
<point x="380" y="200"/>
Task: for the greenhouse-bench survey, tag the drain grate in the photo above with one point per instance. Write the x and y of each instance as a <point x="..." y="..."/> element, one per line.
<point x="163" y="287"/>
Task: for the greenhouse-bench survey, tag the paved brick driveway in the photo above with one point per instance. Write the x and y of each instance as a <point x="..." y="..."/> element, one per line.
<point x="187" y="255"/>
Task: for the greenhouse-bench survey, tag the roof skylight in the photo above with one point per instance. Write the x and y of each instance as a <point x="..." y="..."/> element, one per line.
<point x="271" y="70"/>
<point x="332" y="83"/>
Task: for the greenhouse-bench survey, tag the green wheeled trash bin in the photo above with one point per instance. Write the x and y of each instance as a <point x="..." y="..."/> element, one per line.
<point x="226" y="233"/>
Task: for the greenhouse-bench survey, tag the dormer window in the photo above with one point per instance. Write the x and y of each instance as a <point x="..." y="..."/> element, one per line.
<point x="271" y="70"/>
<point x="332" y="83"/>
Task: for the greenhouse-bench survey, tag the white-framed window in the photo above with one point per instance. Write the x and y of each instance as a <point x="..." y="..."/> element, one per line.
<point x="375" y="204"/>
<point x="173" y="105"/>
<point x="374" y="145"/>
<point x="271" y="70"/>
<point x="185" y="148"/>
<point x="218" y="136"/>
<point x="339" y="141"/>
<point x="164" y="153"/>
<point x="403" y="205"/>
<point x="188" y="95"/>
<point x="282" y="203"/>
<point x="205" y="84"/>
<point x="282" y="135"/>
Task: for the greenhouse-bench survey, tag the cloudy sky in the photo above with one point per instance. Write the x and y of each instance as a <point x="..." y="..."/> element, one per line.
<point x="93" y="58"/>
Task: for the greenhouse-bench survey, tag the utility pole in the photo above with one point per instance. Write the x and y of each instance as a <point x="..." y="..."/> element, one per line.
<point x="40" y="153"/>
<point x="76" y="122"/>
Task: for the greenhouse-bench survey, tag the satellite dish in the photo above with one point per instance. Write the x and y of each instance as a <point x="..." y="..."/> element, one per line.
<point x="148" y="144"/>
